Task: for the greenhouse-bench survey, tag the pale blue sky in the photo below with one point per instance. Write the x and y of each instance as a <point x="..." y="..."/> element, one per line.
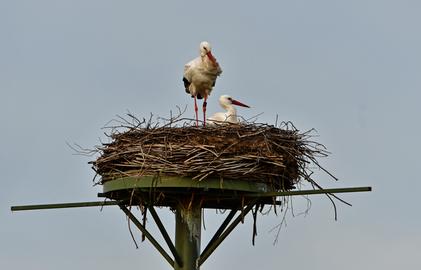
<point x="350" y="69"/>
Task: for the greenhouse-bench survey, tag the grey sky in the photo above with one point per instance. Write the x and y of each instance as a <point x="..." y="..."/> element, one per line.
<point x="350" y="69"/>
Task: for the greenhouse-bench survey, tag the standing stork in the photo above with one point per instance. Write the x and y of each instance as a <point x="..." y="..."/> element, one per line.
<point x="200" y="76"/>
<point x="230" y="114"/>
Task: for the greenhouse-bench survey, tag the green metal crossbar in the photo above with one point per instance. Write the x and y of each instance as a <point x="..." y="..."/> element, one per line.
<point x="260" y="195"/>
<point x="310" y="192"/>
<point x="62" y="205"/>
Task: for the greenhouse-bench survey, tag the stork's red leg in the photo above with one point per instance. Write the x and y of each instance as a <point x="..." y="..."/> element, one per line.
<point x="204" y="111"/>
<point x="196" y="111"/>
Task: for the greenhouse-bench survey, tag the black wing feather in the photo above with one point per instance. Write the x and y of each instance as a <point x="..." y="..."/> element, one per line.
<point x="186" y="86"/>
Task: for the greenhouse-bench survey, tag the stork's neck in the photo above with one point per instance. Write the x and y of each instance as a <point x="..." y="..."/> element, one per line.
<point x="231" y="115"/>
<point x="231" y="111"/>
<point x="207" y="61"/>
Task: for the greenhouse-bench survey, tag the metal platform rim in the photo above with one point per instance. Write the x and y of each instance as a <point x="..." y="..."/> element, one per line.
<point x="177" y="182"/>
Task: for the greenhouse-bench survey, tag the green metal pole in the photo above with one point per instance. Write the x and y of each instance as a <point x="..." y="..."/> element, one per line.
<point x="188" y="220"/>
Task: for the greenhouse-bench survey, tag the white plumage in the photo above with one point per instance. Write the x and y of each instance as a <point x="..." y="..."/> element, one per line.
<point x="200" y="76"/>
<point x="230" y="114"/>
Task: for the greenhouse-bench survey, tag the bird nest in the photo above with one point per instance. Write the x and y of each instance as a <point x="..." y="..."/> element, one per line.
<point x="277" y="155"/>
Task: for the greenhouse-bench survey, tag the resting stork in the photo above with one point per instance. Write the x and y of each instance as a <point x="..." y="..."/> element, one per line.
<point x="230" y="115"/>
<point x="200" y="76"/>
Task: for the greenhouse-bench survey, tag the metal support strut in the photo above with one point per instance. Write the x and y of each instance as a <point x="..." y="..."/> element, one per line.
<point x="147" y="234"/>
<point x="218" y="240"/>
<point x="165" y="235"/>
<point x="219" y="231"/>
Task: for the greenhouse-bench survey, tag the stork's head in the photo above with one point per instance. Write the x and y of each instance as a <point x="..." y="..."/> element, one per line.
<point x="205" y="50"/>
<point x="227" y="101"/>
<point x="205" y="47"/>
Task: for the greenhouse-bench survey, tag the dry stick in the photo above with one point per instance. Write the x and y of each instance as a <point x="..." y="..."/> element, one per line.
<point x="131" y="233"/>
<point x="130" y="229"/>
<point x="191" y="201"/>
<point x="145" y="211"/>
<point x="331" y="194"/>
<point x="331" y="200"/>
<point x="326" y="171"/>
<point x="242" y="209"/>
<point x="203" y="215"/>
<point x="292" y="206"/>
<point x="279" y="226"/>
<point x="254" y="213"/>
<point x="274" y="205"/>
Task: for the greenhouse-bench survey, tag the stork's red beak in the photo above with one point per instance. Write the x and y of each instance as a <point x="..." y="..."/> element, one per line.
<point x="238" y="103"/>
<point x="209" y="54"/>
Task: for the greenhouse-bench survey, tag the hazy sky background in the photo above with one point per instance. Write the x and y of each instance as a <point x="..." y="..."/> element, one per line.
<point x="350" y="69"/>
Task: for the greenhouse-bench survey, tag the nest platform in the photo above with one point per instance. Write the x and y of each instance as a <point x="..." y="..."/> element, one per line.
<point x="217" y="166"/>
